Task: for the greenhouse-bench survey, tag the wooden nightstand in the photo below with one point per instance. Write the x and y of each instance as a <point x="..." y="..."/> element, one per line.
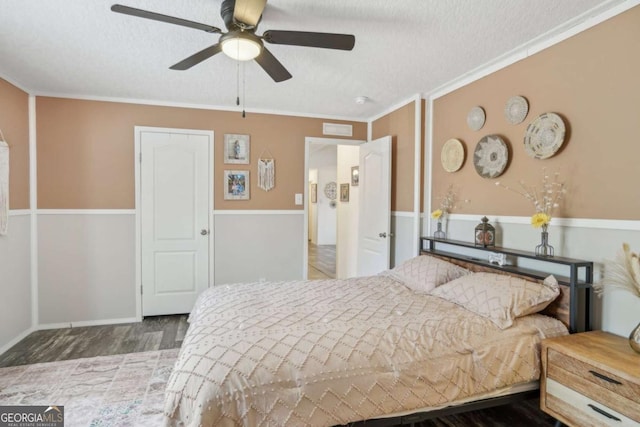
<point x="590" y="379"/>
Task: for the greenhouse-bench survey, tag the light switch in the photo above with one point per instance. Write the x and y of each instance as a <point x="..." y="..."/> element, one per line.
<point x="298" y="198"/>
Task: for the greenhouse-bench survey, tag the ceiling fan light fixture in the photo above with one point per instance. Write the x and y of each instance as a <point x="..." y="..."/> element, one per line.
<point x="241" y="46"/>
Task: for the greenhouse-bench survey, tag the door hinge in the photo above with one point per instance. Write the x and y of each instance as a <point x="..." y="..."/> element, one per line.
<point x="140" y="157"/>
<point x="141" y="290"/>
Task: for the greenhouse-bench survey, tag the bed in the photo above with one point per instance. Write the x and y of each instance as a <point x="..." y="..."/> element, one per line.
<point x="334" y="352"/>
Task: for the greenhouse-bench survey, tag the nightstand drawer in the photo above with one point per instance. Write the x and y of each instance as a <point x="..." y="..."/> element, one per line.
<point x="581" y="410"/>
<point x="606" y="387"/>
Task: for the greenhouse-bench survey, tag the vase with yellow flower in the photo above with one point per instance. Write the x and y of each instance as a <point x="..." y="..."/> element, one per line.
<point x="623" y="273"/>
<point x="545" y="201"/>
<point x="437" y="215"/>
<point x="541" y="220"/>
<point x="447" y="204"/>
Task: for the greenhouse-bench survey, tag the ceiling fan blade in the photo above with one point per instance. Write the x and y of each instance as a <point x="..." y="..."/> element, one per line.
<point x="197" y="58"/>
<point x="249" y="11"/>
<point x="303" y="38"/>
<point x="272" y="66"/>
<point x="163" y="18"/>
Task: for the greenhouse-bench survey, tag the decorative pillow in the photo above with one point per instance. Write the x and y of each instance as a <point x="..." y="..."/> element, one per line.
<point x="499" y="298"/>
<point x="423" y="273"/>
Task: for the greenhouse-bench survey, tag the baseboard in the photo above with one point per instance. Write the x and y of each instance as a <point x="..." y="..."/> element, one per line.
<point x="16" y="340"/>
<point x="88" y="323"/>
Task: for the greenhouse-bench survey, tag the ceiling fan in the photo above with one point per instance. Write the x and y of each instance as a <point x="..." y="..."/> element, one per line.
<point x="240" y="42"/>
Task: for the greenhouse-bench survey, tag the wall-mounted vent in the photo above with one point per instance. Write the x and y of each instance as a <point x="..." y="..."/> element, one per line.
<point x="336" y="129"/>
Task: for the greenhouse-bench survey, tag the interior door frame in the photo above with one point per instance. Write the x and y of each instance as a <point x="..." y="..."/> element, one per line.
<point x="305" y="197"/>
<point x="138" y="212"/>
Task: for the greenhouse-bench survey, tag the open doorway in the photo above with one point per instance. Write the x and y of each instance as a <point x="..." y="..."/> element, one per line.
<point x="330" y="208"/>
<point x="323" y="207"/>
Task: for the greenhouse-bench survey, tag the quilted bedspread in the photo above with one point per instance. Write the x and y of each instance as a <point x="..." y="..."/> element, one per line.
<point x="324" y="353"/>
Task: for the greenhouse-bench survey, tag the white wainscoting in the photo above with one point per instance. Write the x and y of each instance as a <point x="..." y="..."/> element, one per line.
<point x="15" y="280"/>
<point x="403" y="240"/>
<point x="87" y="263"/>
<point x="593" y="240"/>
<point x="86" y="267"/>
<point x="255" y="245"/>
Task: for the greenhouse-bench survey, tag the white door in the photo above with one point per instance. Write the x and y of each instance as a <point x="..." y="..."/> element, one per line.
<point x="175" y="190"/>
<point x="374" y="240"/>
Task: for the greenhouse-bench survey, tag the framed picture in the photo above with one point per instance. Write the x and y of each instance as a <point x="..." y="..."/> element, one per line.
<point x="236" y="185"/>
<point x="314" y="193"/>
<point x="236" y="148"/>
<point x="355" y="175"/>
<point x="344" y="192"/>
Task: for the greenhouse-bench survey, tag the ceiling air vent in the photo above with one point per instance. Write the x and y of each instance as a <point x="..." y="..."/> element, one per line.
<point x="336" y="129"/>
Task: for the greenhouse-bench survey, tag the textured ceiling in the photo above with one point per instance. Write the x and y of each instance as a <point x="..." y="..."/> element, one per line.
<point x="79" y="48"/>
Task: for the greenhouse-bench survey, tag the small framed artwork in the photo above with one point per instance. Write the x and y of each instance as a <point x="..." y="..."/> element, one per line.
<point x="355" y="175"/>
<point x="236" y="185"/>
<point x="344" y="192"/>
<point x="314" y="193"/>
<point x="236" y="149"/>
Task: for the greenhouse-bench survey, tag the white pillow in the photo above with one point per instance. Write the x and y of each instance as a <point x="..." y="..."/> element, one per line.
<point x="498" y="297"/>
<point x="423" y="273"/>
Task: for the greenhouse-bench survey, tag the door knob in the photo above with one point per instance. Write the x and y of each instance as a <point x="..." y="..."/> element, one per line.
<point x="383" y="235"/>
<point x="204" y="231"/>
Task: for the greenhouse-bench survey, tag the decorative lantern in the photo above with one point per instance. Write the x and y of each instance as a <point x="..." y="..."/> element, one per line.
<point x="485" y="234"/>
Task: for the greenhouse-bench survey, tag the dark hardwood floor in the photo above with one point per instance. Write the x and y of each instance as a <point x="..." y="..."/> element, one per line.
<point x="153" y="333"/>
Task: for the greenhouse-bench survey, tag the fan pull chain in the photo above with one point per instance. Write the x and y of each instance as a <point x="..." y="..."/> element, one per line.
<point x="238" y="83"/>
<point x="244" y="88"/>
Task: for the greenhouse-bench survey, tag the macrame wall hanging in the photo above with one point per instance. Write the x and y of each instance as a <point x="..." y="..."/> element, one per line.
<point x="4" y="185"/>
<point x="266" y="171"/>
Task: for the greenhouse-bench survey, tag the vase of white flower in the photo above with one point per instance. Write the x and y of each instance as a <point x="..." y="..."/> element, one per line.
<point x="545" y="201"/>
<point x="447" y="205"/>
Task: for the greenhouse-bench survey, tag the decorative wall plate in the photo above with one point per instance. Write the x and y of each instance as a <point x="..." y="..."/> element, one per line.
<point x="491" y="156"/>
<point x="544" y="136"/>
<point x="331" y="190"/>
<point x="516" y="109"/>
<point x="452" y="155"/>
<point x="476" y="118"/>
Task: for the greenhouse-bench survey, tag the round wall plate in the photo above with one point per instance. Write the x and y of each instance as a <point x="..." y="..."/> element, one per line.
<point x="331" y="190"/>
<point x="491" y="156"/>
<point x="476" y="118"/>
<point x="452" y="155"/>
<point x="544" y="136"/>
<point x="516" y="109"/>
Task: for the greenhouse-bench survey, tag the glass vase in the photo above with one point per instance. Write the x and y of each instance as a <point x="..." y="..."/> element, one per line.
<point x="544" y="249"/>
<point x="439" y="234"/>
<point x="634" y="339"/>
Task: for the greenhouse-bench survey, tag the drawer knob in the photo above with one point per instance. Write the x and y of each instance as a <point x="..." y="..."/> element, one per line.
<point x="604" y="377"/>
<point x="605" y="413"/>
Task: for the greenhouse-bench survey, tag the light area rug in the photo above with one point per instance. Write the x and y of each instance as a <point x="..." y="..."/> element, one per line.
<point x="106" y="391"/>
<point x="128" y="391"/>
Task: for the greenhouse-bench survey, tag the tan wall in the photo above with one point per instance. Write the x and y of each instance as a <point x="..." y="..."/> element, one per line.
<point x="14" y="123"/>
<point x="400" y="125"/>
<point x="591" y="80"/>
<point x="86" y="151"/>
